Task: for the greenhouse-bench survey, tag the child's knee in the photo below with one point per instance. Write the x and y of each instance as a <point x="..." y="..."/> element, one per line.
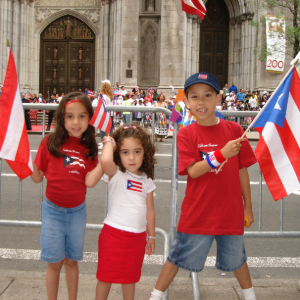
<point x="70" y="263"/>
<point x="55" y="266"/>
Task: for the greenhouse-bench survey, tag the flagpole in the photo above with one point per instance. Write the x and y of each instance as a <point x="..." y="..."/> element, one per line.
<point x="260" y="112"/>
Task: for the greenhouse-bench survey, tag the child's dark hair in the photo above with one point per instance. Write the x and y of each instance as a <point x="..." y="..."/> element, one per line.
<point x="149" y="150"/>
<point x="60" y="135"/>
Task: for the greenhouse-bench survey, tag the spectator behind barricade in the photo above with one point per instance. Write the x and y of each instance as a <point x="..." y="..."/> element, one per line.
<point x="51" y="112"/>
<point x="230" y="100"/>
<point x="33" y="98"/>
<point x="233" y="88"/>
<point x="224" y="106"/>
<point x="225" y="91"/>
<point x="123" y="91"/>
<point x="139" y="115"/>
<point x="264" y="99"/>
<point x="117" y="86"/>
<point x="142" y="94"/>
<point x="41" y="98"/>
<point x="107" y="93"/>
<point x="270" y="94"/>
<point x="118" y="114"/>
<point x="252" y="101"/>
<point x="126" y="114"/>
<point x="149" y="98"/>
<point x="154" y="95"/>
<point x="240" y="96"/>
<point x="160" y="126"/>
<point x="26" y="112"/>
<point x="60" y="97"/>
<point x="246" y="100"/>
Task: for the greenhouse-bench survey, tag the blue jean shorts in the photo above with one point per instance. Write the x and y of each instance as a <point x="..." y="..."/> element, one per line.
<point x="189" y="251"/>
<point x="63" y="231"/>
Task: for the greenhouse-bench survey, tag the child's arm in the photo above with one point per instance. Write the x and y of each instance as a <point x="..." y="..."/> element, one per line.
<point x="37" y="175"/>
<point x="232" y="148"/>
<point x="150" y="247"/>
<point x="107" y="156"/>
<point x="92" y="177"/>
<point x="245" y="186"/>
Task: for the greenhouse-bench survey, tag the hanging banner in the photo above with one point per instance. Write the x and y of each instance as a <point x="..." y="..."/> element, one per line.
<point x="275" y="33"/>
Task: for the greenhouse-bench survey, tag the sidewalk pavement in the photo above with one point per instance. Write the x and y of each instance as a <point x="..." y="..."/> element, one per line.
<point x="25" y="285"/>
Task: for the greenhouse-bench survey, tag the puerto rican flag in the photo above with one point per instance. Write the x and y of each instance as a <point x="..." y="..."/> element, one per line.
<point x="73" y="160"/>
<point x="89" y="93"/>
<point x="14" y="144"/>
<point x="101" y="118"/>
<point x="194" y="7"/>
<point x="278" y="149"/>
<point x="134" y="186"/>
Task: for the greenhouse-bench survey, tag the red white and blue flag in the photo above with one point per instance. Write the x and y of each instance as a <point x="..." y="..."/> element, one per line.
<point x="89" y="93"/>
<point x="278" y="149"/>
<point x="194" y="7"/>
<point x="101" y="118"/>
<point x="134" y="186"/>
<point x="14" y="144"/>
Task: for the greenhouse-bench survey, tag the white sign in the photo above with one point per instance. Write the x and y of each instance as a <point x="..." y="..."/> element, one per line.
<point x="275" y="33"/>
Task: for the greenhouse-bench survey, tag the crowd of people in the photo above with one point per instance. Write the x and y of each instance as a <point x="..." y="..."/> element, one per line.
<point x="233" y="100"/>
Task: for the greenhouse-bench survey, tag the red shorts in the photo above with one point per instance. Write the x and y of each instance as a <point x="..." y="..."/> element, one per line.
<point x="120" y="255"/>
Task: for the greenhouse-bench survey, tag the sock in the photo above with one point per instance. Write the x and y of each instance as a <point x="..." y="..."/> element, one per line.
<point x="156" y="295"/>
<point x="249" y="294"/>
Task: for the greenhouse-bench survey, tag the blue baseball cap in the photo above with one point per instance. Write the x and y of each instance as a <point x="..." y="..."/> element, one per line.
<point x="206" y="78"/>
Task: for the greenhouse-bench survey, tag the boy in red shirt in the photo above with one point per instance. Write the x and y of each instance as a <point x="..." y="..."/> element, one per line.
<point x="209" y="213"/>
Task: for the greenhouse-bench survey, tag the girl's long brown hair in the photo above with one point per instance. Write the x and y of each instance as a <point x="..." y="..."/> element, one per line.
<point x="106" y="89"/>
<point x="149" y="150"/>
<point x="60" y="135"/>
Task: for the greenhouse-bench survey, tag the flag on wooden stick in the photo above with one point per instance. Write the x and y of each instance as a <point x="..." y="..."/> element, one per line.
<point x="194" y="7"/>
<point x="14" y="144"/>
<point x="101" y="118"/>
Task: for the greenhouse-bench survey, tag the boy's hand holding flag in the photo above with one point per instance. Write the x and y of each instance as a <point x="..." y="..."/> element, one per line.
<point x="14" y="144"/>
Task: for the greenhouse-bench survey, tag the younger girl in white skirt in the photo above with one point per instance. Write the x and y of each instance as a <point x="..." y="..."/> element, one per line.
<point x="128" y="161"/>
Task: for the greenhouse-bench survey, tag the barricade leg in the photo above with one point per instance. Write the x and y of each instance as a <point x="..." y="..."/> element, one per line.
<point x="195" y="285"/>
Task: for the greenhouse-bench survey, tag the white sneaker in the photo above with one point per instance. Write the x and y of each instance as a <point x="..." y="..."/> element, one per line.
<point x="100" y="146"/>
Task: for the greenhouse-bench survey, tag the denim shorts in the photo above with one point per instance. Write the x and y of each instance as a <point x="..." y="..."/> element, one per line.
<point x="63" y="231"/>
<point x="189" y="251"/>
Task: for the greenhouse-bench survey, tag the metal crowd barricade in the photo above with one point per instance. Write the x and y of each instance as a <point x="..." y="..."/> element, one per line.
<point x="168" y="237"/>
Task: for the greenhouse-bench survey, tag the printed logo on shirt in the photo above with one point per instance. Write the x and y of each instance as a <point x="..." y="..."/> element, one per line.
<point x="72" y="161"/>
<point x="134" y="186"/>
<point x="202" y="76"/>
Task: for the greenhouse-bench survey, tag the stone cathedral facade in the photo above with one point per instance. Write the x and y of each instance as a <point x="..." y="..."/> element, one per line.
<point x="67" y="45"/>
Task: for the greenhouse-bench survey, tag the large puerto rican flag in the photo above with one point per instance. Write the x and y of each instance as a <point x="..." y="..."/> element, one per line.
<point x="101" y="118"/>
<point x="14" y="144"/>
<point x="194" y="7"/>
<point x="278" y="149"/>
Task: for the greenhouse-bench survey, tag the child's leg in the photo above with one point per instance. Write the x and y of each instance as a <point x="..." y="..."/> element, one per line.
<point x="244" y="279"/>
<point x="72" y="276"/>
<point x="166" y="276"/>
<point x="102" y="290"/>
<point x="128" y="291"/>
<point x="52" y="279"/>
<point x="243" y="276"/>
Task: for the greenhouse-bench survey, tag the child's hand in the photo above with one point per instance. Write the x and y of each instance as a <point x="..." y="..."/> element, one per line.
<point x="249" y="213"/>
<point x="109" y="139"/>
<point x="150" y="247"/>
<point x="232" y="148"/>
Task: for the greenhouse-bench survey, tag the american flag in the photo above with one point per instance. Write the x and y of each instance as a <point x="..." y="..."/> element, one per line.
<point x="101" y="118"/>
<point x="14" y="144"/>
<point x="278" y="149"/>
<point x="89" y="93"/>
<point x="134" y="186"/>
<point x="194" y="7"/>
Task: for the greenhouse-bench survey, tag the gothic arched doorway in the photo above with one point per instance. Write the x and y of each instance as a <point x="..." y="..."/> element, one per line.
<point x="214" y="41"/>
<point x="67" y="56"/>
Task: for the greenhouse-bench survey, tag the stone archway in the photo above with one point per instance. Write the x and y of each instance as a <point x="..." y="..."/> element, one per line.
<point x="67" y="56"/>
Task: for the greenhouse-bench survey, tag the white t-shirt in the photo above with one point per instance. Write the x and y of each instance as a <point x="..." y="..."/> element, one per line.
<point x="127" y="194"/>
<point x="108" y="101"/>
<point x="252" y="102"/>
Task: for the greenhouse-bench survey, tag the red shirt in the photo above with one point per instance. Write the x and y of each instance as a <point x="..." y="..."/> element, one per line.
<point x="65" y="175"/>
<point x="213" y="204"/>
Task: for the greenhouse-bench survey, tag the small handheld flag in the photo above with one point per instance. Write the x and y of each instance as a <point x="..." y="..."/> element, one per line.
<point x="101" y="118"/>
<point x="89" y="93"/>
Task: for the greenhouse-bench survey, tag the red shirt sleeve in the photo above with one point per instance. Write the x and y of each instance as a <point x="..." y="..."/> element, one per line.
<point x="41" y="160"/>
